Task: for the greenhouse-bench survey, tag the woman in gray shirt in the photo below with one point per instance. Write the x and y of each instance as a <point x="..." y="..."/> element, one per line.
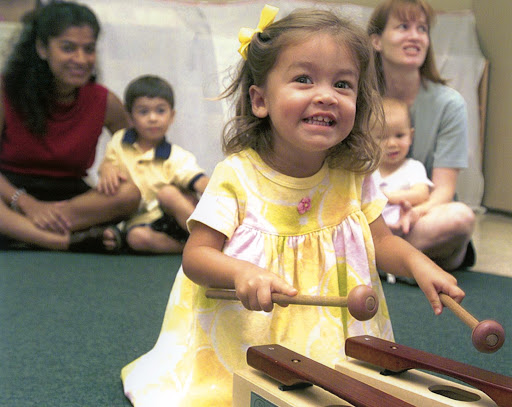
<point x="400" y="34"/>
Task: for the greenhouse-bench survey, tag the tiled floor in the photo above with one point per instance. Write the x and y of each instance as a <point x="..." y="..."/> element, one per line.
<point x="493" y="242"/>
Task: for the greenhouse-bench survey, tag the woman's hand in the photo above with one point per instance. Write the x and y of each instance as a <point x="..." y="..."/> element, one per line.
<point x="45" y="215"/>
<point x="254" y="288"/>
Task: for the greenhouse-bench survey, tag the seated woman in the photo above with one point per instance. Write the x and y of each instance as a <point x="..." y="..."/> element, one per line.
<point x="51" y="115"/>
<point x="399" y="31"/>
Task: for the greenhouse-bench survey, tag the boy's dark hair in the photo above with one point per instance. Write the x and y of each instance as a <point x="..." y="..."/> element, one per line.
<point x="148" y="86"/>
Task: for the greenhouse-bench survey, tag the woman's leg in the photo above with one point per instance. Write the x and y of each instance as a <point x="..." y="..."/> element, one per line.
<point x="93" y="208"/>
<point x="18" y="227"/>
<point x="443" y="234"/>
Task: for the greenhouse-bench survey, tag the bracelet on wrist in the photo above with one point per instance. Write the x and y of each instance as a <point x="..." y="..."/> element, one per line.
<point x="15" y="197"/>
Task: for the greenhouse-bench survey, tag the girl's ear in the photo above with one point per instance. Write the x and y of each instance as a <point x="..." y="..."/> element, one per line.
<point x="257" y="95"/>
<point x="41" y="50"/>
<point x="375" y="39"/>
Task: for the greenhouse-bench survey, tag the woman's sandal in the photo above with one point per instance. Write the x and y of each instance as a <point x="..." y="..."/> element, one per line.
<point x="92" y="240"/>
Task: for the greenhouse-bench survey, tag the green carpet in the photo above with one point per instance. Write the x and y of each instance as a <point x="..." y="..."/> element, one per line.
<point x="70" y="322"/>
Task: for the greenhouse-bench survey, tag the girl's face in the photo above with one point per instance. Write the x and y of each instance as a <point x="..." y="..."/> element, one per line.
<point x="310" y="97"/>
<point x="71" y="57"/>
<point x="151" y="117"/>
<point x="404" y="42"/>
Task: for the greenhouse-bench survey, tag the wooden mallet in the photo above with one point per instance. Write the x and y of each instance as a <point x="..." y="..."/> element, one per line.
<point x="488" y="336"/>
<point x="362" y="301"/>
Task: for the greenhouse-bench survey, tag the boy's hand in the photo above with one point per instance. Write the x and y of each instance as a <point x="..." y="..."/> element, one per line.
<point x="110" y="180"/>
<point x="254" y="289"/>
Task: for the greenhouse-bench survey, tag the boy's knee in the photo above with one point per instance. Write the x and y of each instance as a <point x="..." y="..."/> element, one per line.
<point x="129" y="195"/>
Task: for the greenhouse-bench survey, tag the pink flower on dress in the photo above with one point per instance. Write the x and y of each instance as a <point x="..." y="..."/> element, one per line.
<point x="304" y="205"/>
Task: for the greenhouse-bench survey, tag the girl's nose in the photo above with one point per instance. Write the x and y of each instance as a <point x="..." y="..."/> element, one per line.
<point x="325" y="96"/>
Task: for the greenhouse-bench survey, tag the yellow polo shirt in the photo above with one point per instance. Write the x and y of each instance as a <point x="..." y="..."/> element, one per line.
<point x="151" y="170"/>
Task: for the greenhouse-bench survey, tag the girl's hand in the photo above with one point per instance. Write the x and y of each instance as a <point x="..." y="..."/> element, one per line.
<point x="435" y="281"/>
<point x="110" y="180"/>
<point x="254" y="289"/>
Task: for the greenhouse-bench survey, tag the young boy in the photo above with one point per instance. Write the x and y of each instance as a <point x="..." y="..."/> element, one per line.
<point x="403" y="180"/>
<point x="168" y="177"/>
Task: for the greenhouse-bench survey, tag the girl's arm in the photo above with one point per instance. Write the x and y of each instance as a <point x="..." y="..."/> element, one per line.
<point x="206" y="264"/>
<point x="116" y="117"/>
<point x="396" y="256"/>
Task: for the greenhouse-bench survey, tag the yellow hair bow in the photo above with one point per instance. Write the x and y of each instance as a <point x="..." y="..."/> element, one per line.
<point x="245" y="34"/>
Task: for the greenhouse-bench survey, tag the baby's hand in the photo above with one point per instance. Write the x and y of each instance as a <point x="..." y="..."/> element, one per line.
<point x="437" y="281"/>
<point x="254" y="289"/>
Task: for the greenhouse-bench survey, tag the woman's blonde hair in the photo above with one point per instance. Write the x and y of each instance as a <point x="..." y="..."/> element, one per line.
<point x="406" y="10"/>
<point x="358" y="151"/>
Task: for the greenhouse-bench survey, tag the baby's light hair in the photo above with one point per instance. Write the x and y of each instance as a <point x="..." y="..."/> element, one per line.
<point x="378" y="123"/>
<point x="358" y="151"/>
<point x="394" y="103"/>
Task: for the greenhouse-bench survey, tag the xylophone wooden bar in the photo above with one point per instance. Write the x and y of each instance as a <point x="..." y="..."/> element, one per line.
<point x="397" y="358"/>
<point x="292" y="369"/>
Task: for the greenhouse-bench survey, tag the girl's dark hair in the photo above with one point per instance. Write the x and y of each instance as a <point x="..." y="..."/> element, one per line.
<point x="149" y="86"/>
<point x="358" y="152"/>
<point x="27" y="79"/>
<point x="406" y="10"/>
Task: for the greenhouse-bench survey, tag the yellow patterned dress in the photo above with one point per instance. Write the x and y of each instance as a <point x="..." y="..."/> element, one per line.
<point x="313" y="232"/>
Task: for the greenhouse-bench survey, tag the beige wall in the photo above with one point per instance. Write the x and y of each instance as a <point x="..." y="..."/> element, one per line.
<point x="493" y="25"/>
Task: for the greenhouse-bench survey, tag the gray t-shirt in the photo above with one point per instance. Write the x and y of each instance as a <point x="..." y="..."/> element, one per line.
<point x="439" y="117"/>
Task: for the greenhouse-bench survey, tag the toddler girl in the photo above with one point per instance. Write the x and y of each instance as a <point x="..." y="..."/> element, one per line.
<point x="291" y="210"/>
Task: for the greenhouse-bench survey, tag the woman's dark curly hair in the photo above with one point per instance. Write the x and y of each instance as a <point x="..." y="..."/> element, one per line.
<point x="27" y="79"/>
<point x="359" y="151"/>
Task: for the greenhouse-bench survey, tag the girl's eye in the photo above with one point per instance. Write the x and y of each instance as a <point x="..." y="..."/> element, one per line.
<point x="403" y="26"/>
<point x="304" y="79"/>
<point x="343" y="85"/>
<point x="423" y="28"/>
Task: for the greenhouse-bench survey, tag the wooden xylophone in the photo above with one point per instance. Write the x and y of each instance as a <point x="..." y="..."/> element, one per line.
<point x="282" y="378"/>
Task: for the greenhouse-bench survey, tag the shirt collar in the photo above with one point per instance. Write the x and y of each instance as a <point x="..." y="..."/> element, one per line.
<point x="162" y="150"/>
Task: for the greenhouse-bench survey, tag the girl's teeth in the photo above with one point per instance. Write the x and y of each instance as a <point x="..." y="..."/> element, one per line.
<point x="319" y="119"/>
